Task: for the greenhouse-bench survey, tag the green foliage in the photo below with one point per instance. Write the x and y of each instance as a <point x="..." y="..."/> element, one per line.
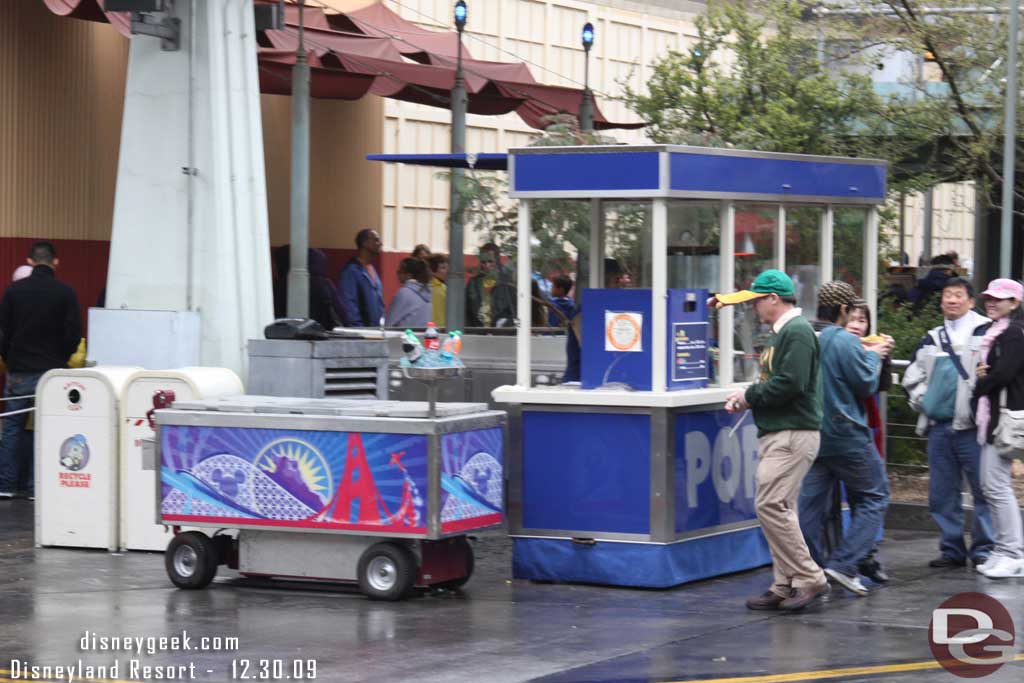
<point x="753" y="79"/>
<point x="560" y="228"/>
<point x="905" y="447"/>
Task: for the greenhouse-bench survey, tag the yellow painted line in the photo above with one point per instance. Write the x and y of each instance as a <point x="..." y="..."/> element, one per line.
<point x="830" y="673"/>
<point x="797" y="677"/>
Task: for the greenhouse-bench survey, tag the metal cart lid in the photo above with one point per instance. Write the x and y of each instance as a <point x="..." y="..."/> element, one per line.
<point x="328" y="406"/>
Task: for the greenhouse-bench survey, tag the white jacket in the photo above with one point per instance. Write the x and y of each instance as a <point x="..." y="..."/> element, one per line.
<point x="915" y="380"/>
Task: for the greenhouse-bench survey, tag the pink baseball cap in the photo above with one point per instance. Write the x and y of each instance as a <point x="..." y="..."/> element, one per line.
<point x="1004" y="288"/>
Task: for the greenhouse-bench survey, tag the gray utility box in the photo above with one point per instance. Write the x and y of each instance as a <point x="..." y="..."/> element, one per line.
<point x="331" y="368"/>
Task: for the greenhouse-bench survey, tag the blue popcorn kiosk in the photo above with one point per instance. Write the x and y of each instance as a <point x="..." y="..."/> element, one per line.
<point x="636" y="475"/>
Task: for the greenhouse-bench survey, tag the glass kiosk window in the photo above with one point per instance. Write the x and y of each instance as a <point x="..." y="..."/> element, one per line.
<point x="694" y="244"/>
<point x="627" y="238"/>
<point x="803" y="253"/>
<point x="756" y="234"/>
<point x="848" y="245"/>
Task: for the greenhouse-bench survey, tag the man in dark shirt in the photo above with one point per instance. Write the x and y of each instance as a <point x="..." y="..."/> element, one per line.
<point x="359" y="287"/>
<point x="41" y="327"/>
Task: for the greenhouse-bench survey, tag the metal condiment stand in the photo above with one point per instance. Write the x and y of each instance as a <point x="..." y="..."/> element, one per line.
<point x="430" y="377"/>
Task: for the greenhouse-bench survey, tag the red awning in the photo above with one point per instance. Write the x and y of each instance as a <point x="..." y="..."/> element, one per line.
<point x="369" y="51"/>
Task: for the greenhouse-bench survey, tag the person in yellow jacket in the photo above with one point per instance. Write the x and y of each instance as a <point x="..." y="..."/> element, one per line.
<point x="438" y="289"/>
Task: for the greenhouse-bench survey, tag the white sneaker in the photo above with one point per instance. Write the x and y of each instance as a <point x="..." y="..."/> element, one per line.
<point x="1003" y="568"/>
<point x="980" y="568"/>
<point x="850" y="582"/>
<point x="6" y="494"/>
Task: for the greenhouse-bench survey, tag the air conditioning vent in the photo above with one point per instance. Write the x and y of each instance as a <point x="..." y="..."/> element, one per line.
<point x="350" y="382"/>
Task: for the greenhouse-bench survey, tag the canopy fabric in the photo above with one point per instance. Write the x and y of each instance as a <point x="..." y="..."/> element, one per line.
<point x="91" y="10"/>
<point x="369" y="51"/>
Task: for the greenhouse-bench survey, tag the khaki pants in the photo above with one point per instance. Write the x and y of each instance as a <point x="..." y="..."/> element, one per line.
<point x="783" y="460"/>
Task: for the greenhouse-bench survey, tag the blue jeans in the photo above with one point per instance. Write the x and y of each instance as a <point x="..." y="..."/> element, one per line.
<point x="951" y="455"/>
<point x="863" y="474"/>
<point x="16" y="452"/>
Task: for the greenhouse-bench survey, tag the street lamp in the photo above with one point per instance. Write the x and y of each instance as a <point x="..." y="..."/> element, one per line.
<point x="455" y="311"/>
<point x="298" y="272"/>
<point x="587" y="105"/>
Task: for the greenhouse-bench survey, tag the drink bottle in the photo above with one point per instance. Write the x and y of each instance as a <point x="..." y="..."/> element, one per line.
<point x="431" y="339"/>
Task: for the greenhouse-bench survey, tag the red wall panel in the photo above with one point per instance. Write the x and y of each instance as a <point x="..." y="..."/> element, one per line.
<point x="82" y="264"/>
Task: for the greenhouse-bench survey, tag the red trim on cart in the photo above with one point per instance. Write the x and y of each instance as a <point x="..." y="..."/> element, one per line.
<point x="297" y="524"/>
<point x="472" y="523"/>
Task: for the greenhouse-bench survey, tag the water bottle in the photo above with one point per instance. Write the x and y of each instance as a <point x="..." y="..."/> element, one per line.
<point x="431" y="339"/>
<point x="411" y="346"/>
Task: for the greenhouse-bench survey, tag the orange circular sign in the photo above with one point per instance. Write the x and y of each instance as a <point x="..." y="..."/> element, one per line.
<point x="623" y="332"/>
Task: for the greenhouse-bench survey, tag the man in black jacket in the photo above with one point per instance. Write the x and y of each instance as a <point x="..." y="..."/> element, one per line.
<point x="41" y="326"/>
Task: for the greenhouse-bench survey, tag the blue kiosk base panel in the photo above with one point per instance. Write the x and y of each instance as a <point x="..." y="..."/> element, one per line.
<point x="638" y="565"/>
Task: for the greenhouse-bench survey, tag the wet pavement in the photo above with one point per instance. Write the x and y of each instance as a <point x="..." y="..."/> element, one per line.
<point x="495" y="629"/>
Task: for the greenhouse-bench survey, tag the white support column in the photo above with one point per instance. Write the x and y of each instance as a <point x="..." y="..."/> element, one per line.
<point x="871" y="265"/>
<point x="825" y="258"/>
<point x="659" y="285"/>
<point x="596" y="275"/>
<point x="726" y="283"/>
<point x="780" y="239"/>
<point x="523" y="307"/>
<point x="190" y="210"/>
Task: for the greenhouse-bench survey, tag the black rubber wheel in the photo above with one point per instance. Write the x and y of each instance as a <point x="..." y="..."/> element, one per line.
<point x="387" y="571"/>
<point x="191" y="560"/>
<point x="467" y="550"/>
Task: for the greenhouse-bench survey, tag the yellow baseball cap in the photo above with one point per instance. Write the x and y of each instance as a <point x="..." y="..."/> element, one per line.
<point x="768" y="282"/>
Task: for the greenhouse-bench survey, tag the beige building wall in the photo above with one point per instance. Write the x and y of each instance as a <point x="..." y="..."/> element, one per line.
<point x="345" y="190"/>
<point x="545" y="34"/>
<point x="952" y="222"/>
<point x="61" y="100"/>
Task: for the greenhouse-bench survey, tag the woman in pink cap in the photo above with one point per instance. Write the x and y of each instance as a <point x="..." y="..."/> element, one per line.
<point x="1002" y="369"/>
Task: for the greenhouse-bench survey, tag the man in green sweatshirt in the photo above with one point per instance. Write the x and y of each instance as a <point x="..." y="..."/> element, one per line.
<point x="786" y="403"/>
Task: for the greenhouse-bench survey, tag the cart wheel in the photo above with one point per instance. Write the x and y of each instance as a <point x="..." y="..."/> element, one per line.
<point x="387" y="571"/>
<point x="467" y="551"/>
<point x="191" y="560"/>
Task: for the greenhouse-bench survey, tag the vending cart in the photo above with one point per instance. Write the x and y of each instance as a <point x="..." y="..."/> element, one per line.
<point x="381" y="493"/>
<point x="635" y="475"/>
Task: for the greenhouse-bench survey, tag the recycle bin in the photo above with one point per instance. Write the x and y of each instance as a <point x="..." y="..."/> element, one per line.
<point x="138" y="527"/>
<point x="76" y="456"/>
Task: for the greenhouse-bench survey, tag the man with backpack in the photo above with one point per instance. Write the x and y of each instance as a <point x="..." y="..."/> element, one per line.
<point x="939" y="385"/>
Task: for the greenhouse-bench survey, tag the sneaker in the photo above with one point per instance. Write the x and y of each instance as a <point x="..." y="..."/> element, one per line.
<point x="873" y="571"/>
<point x="6" y="495"/>
<point x="850" y="582"/>
<point x="769" y="600"/>
<point x="945" y="562"/>
<point x="805" y="597"/>
<point x="980" y="565"/>
<point x="31" y="497"/>
<point x="1004" y="568"/>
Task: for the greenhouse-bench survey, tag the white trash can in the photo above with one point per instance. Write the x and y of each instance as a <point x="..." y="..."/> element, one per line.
<point x="139" y="530"/>
<point x="76" y="456"/>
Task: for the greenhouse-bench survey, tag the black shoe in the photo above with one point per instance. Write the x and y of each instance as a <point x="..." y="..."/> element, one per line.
<point x="873" y="570"/>
<point x="768" y="600"/>
<point x="945" y="562"/>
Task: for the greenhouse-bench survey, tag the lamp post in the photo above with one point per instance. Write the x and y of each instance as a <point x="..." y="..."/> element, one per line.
<point x="455" y="312"/>
<point x="587" y="105"/>
<point x="298" y="271"/>
<point x="1009" y="145"/>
